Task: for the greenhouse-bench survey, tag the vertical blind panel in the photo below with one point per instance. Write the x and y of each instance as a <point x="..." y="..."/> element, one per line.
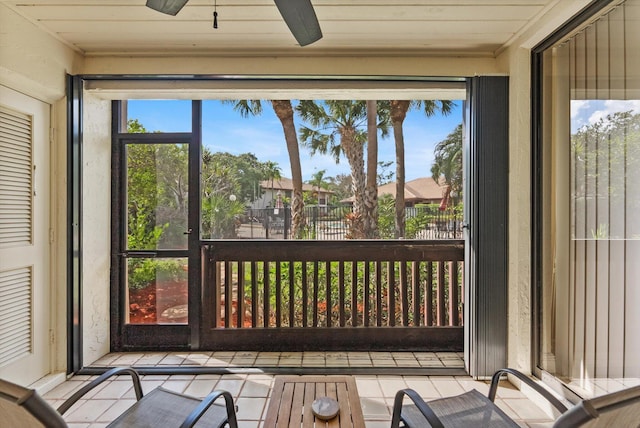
<point x="632" y="42"/>
<point x="617" y="60"/>
<point x="579" y="81"/>
<point x="16" y="178"/>
<point x="15" y="314"/>
<point x="603" y="79"/>
<point x="591" y="54"/>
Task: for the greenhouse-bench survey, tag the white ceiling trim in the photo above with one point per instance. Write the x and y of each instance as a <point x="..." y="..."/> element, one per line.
<point x="232" y="89"/>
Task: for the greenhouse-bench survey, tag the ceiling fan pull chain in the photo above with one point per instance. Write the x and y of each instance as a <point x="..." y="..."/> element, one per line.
<point x="215" y="14"/>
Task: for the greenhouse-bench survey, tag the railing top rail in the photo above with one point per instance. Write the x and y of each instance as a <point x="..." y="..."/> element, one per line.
<point x="355" y="250"/>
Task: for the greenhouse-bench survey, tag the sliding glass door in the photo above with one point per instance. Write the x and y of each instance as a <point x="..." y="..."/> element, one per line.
<point x="589" y="287"/>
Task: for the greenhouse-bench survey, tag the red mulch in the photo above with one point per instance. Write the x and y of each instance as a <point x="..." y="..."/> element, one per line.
<point x="144" y="307"/>
<point x="143" y="302"/>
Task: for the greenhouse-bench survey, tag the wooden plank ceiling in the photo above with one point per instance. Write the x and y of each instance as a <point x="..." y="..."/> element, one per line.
<point x="350" y="27"/>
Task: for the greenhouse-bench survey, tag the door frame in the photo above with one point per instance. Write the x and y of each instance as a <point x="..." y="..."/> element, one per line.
<point x="144" y="336"/>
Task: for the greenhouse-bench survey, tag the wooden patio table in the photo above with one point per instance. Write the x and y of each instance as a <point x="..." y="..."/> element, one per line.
<point x="291" y="398"/>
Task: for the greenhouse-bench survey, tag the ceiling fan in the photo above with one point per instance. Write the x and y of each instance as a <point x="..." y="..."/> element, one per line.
<point x="297" y="14"/>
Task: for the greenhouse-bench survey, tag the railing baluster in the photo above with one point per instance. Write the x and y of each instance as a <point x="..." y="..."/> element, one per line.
<point x="292" y="294"/>
<point x="328" y="294"/>
<point x="441" y="302"/>
<point x="278" y="294"/>
<point x="341" y="299"/>
<point x="254" y="294"/>
<point x="217" y="303"/>
<point x="453" y="294"/>
<point x="316" y="286"/>
<point x="266" y="304"/>
<point x="379" y="308"/>
<point x="428" y="295"/>
<point x="391" y="293"/>
<point x="240" y="310"/>
<point x="305" y="295"/>
<point x="354" y="293"/>
<point x="415" y="286"/>
<point x="366" y="295"/>
<point x="228" y="294"/>
<point x="404" y="293"/>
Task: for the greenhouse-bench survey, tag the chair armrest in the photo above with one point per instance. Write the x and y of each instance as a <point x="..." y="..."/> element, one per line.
<point x="106" y="375"/>
<point x="524" y="378"/>
<point x="424" y="408"/>
<point x="204" y="405"/>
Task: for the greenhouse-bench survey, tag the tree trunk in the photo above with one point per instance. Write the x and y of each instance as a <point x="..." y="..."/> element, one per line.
<point x="371" y="190"/>
<point x="398" y="113"/>
<point x="354" y="152"/>
<point x="284" y="111"/>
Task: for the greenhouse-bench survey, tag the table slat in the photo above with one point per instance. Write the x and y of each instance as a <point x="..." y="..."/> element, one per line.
<point x="309" y="397"/>
<point x="285" y="410"/>
<point x="296" y="405"/>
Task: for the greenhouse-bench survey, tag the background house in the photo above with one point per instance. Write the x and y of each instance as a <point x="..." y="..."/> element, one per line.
<point x="282" y="188"/>
<point x="423" y="190"/>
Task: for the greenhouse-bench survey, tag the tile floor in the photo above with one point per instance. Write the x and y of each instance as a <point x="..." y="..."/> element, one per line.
<point x="251" y="391"/>
<point x="427" y="360"/>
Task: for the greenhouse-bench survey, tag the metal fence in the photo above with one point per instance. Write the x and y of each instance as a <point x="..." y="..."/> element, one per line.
<point x="329" y="223"/>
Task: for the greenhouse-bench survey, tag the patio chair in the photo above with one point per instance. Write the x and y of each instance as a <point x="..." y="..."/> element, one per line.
<point x="472" y="409"/>
<point x="23" y="407"/>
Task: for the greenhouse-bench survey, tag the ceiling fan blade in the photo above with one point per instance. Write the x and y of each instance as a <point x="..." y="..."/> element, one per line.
<point x="301" y="20"/>
<point x="170" y="7"/>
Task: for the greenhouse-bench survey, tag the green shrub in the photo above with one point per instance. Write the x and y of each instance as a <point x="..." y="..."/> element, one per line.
<point x="143" y="272"/>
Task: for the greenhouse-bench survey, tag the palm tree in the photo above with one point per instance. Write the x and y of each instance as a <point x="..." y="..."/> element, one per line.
<point x="398" y="112"/>
<point x="371" y="189"/>
<point x="284" y="111"/>
<point x="273" y="172"/>
<point x="317" y="181"/>
<point x="447" y="164"/>
<point x="338" y="128"/>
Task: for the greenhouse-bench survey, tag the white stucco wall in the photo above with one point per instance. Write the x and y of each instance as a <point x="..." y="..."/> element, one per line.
<point x="519" y="275"/>
<point x="31" y="61"/>
<point x="96" y="226"/>
<point x="516" y="61"/>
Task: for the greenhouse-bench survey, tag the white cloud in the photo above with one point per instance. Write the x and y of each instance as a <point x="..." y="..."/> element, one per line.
<point x="610" y="107"/>
<point x="588" y="112"/>
<point x="615" y="106"/>
<point x="577" y="106"/>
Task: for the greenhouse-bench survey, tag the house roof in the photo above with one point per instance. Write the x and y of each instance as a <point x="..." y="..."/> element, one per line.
<point x="418" y="190"/>
<point x="285" y="183"/>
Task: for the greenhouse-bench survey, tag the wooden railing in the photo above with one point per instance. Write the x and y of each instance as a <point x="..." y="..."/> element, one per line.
<point x="324" y="285"/>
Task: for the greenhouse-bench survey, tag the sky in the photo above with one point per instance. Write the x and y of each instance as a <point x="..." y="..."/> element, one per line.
<point x="225" y="130"/>
<point x="588" y="112"/>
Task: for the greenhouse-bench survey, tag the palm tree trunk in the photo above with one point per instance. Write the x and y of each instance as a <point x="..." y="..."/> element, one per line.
<point x="398" y="113"/>
<point x="371" y="189"/>
<point x="284" y="111"/>
<point x="353" y="150"/>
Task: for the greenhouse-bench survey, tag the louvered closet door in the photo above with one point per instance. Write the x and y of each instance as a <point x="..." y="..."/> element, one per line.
<point x="25" y="290"/>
